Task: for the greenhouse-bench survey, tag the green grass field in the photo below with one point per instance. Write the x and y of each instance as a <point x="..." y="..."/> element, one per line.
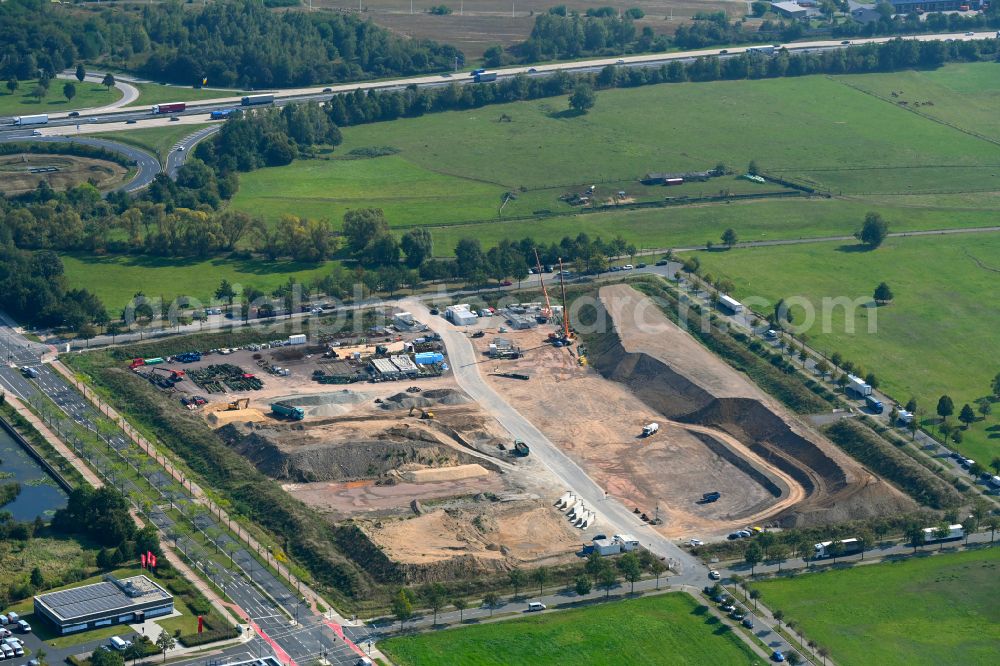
<point x="158" y="93"/>
<point x="933" y="610"/>
<point x="454" y="167"/>
<point x="935" y="338"/>
<point x="88" y="95"/>
<point x="122" y="277"/>
<point x="665" y="629"/>
<point x="157" y="140"/>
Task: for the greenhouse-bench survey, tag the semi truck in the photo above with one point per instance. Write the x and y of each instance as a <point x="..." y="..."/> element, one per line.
<point x="765" y="50"/>
<point x="874" y="404"/>
<point x="288" y="411"/>
<point x="222" y="114"/>
<point x="850" y="547"/>
<point x="730" y="303"/>
<point x="859" y="386"/>
<point x="955" y="533"/>
<point x="173" y="107"/>
<point x="650" y="430"/>
<point x="37" y="119"/>
<point x="251" y="100"/>
<point x="486" y="77"/>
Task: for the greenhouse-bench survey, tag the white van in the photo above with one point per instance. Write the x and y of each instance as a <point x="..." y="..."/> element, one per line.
<point x="535" y="606"/>
<point x="119" y="643"/>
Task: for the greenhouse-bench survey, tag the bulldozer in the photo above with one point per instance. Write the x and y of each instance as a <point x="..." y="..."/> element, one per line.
<point x="424" y="414"/>
<point x="235" y="405"/>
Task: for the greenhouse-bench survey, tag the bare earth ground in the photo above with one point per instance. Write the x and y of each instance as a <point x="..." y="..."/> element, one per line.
<point x="479" y="507"/>
<point x="15" y="177"/>
<point x="598" y="422"/>
<point x="707" y="391"/>
<point x="484" y="23"/>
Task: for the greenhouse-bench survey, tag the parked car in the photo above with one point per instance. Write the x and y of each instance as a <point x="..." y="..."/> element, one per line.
<point x="777" y="656"/>
<point x="714" y="575"/>
<point x="696" y="542"/>
<point x="747" y="622"/>
<point x="23" y="627"/>
<point x="628" y="267"/>
<point x="728" y="608"/>
<point x="8" y="652"/>
<point x="662" y="262"/>
<point x="119" y="643"/>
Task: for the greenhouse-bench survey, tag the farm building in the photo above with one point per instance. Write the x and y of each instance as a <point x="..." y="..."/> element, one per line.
<point x="113" y="601"/>
<point x="790" y="9"/>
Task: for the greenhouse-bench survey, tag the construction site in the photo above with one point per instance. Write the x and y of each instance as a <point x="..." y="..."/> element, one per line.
<point x="379" y="432"/>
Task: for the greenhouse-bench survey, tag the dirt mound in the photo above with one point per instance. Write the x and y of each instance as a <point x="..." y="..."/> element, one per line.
<point x="676" y="376"/>
<point x="426" y="399"/>
<point x="343" y="459"/>
<point x="321" y="405"/>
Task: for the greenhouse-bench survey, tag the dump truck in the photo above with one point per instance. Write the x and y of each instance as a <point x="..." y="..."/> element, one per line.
<point x="288" y="411"/>
<point x="650" y="430"/>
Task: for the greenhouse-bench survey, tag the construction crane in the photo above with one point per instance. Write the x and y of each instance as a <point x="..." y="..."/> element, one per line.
<point x="548" y="307"/>
<point x="565" y="310"/>
<point x="238" y="404"/>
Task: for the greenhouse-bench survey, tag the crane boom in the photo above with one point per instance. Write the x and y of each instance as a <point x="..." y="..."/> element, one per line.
<point x="548" y="306"/>
<point x="565" y="312"/>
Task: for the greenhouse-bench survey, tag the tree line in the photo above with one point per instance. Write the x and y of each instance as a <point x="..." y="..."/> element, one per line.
<point x="235" y="43"/>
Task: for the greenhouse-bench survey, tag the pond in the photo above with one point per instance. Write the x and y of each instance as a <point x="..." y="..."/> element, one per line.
<point x="40" y="494"/>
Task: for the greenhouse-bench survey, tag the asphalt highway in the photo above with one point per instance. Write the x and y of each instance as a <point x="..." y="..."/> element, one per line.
<point x="144" y="118"/>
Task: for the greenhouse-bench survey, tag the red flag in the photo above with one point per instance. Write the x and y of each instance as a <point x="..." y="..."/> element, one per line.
<point x="154" y="560"/>
<point x="142" y="558"/>
<point x="201" y="623"/>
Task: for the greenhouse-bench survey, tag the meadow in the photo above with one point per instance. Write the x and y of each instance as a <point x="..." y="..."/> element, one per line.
<point x="159" y="93"/>
<point x="668" y="628"/>
<point x="122" y="277"/>
<point x="930" y="610"/>
<point x="21" y="103"/>
<point x="454" y="168"/>
<point x="157" y="140"/>
<point x="934" y="338"/>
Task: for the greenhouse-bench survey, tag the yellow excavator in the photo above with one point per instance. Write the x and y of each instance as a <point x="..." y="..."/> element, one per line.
<point x="235" y="405"/>
<point x="424" y="414"/>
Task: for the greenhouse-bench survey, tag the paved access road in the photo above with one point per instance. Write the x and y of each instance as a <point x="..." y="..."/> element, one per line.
<point x="147" y="166"/>
<point x="288" y="628"/>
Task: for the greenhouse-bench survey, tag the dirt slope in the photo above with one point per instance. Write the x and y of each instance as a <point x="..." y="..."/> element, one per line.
<point x="678" y="377"/>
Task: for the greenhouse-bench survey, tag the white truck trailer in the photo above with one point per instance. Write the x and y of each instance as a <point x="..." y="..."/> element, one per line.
<point x="37" y="119"/>
<point x="858" y="386"/>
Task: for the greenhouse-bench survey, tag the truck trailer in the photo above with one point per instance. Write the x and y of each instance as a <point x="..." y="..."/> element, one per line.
<point x="955" y="533"/>
<point x="730" y="303"/>
<point x="252" y="100"/>
<point x="37" y="119"/>
<point x="850" y="547"/>
<point x="173" y="107"/>
<point x="288" y="411"/>
<point x="486" y="77"/>
<point x="859" y="386"/>
<point x="222" y="114"/>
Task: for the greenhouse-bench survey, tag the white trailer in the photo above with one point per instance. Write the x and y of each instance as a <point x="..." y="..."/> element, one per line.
<point x="298" y="339"/>
<point x="651" y="429"/>
<point x="37" y="119"/>
<point x="730" y="303"/>
<point x="955" y="532"/>
<point x="859" y="386"/>
<point x="850" y="547"/>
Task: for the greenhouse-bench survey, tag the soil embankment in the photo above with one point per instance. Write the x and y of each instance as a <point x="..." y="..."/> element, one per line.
<point x="676" y="376"/>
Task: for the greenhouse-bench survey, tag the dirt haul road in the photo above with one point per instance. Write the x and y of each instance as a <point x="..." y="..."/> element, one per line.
<point x="466" y="366"/>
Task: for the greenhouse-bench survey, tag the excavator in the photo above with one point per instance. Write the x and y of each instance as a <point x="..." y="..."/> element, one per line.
<point x="424" y="414"/>
<point x="238" y="404"/>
